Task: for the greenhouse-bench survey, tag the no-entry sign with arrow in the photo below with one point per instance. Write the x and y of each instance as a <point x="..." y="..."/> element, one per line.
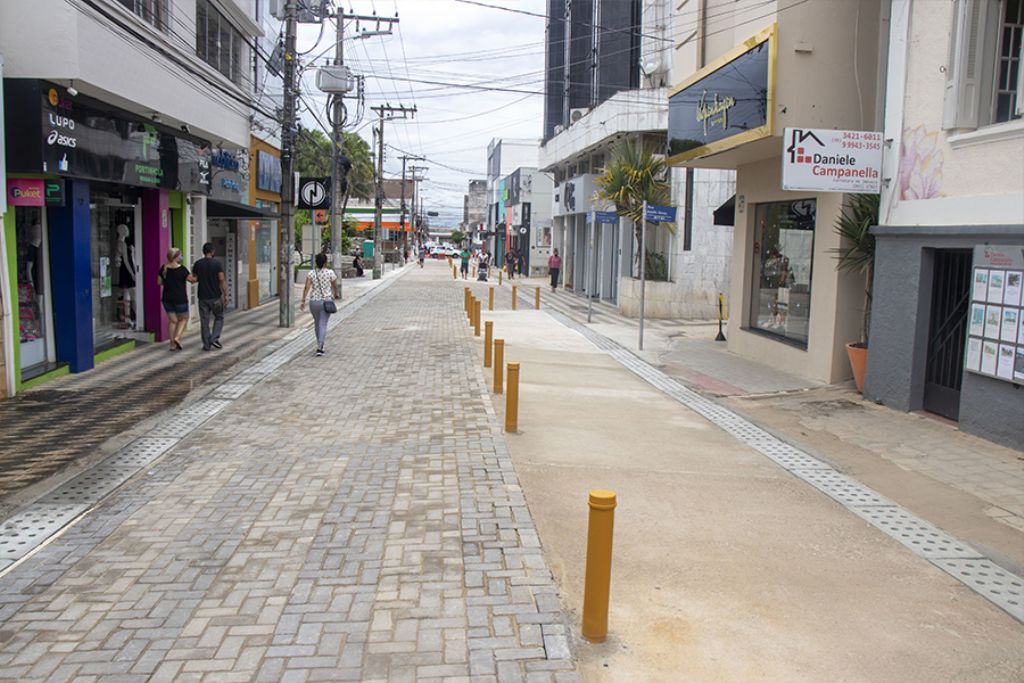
<point x="314" y="193"/>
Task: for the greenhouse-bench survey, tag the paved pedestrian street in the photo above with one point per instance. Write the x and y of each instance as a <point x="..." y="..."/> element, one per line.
<point x="352" y="517"/>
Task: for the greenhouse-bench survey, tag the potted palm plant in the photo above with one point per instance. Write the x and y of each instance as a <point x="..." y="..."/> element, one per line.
<point x="856" y="254"/>
<point x="633" y="176"/>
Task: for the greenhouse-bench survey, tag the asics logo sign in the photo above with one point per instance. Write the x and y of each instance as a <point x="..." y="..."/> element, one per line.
<point x="56" y="138"/>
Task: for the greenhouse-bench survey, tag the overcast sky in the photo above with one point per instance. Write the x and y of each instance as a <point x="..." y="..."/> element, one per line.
<point x="444" y="41"/>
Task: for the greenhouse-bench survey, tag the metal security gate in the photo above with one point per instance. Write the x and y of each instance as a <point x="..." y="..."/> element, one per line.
<point x="947" y="332"/>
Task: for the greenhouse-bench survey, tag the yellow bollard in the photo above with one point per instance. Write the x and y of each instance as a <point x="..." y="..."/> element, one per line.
<point x="490" y="298"/>
<point x="499" y="363"/>
<point x="476" y="317"/>
<point x="469" y="312"/>
<point x="536" y="299"/>
<point x="454" y="276"/>
<point x="512" y="400"/>
<point x="514" y="297"/>
<point x="474" y="272"/>
<point x="499" y="278"/>
<point x="465" y="299"/>
<point x="488" y="336"/>
<point x="598" y="579"/>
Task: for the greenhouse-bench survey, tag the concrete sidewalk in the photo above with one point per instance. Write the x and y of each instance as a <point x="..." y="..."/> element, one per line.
<point x="727" y="567"/>
<point x="971" y="487"/>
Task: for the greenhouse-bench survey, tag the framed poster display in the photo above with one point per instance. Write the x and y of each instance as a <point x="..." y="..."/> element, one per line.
<point x="995" y="317"/>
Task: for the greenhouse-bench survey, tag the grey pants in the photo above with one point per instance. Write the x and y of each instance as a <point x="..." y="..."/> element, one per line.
<point x="320" y="318"/>
<point x="211" y="308"/>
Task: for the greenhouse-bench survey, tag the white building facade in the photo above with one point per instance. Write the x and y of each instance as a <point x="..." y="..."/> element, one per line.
<point x="126" y="135"/>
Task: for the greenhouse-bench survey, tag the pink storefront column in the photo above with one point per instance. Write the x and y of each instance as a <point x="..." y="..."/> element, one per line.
<point x="156" y="240"/>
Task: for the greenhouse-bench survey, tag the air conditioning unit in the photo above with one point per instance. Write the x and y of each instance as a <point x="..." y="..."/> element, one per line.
<point x="577" y="114"/>
<point x="559" y="129"/>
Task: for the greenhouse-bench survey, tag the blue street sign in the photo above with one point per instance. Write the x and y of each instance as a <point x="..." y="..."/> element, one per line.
<point x="606" y="217"/>
<point x="661" y="214"/>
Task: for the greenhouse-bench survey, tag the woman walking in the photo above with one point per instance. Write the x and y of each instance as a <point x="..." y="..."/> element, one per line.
<point x="321" y="288"/>
<point x="172" y="278"/>
<point x="554" y="267"/>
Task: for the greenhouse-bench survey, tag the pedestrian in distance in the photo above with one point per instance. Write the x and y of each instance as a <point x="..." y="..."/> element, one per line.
<point x="510" y="264"/>
<point x="357" y="263"/>
<point x="554" y="267"/>
<point x="321" y="288"/>
<point x="464" y="262"/>
<point x="421" y="256"/>
<point x="212" y="295"/>
<point x="173" y="278"/>
<point x="520" y="262"/>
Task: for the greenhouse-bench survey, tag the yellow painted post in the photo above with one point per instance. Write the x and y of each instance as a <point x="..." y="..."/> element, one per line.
<point x="499" y="363"/>
<point x="476" y="317"/>
<point x="474" y="272"/>
<point x="490" y="298"/>
<point x="465" y="299"/>
<point x="536" y="299"/>
<point x="499" y="277"/>
<point x="469" y="312"/>
<point x="597" y="584"/>
<point x="488" y="337"/>
<point x="454" y="276"/>
<point x="512" y="400"/>
<point x="514" y="297"/>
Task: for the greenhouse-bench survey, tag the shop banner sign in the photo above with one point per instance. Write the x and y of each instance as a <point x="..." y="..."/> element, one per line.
<point x="87" y="141"/>
<point x="824" y="160"/>
<point x="26" y="192"/>
<point x="725" y="104"/>
<point x="268" y="172"/>
<point x="660" y="214"/>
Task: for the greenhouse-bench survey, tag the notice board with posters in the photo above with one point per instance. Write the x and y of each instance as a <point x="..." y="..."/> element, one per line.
<point x="995" y="323"/>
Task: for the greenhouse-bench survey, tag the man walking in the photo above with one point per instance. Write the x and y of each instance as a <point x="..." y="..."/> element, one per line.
<point x="212" y="295"/>
<point x="464" y="258"/>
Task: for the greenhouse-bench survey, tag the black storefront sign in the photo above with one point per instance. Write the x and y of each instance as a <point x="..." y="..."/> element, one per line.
<point x="53" y="192"/>
<point x="707" y="115"/>
<point x="48" y="131"/>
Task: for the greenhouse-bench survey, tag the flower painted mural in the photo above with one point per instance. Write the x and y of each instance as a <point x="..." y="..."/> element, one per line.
<point x="921" y="158"/>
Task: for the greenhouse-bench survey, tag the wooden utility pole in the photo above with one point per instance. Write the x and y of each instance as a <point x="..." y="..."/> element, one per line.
<point x="286" y="315"/>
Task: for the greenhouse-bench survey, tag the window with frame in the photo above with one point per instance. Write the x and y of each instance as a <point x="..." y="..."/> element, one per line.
<point x="783" y="258"/>
<point x="153" y="12"/>
<point x="984" y="78"/>
<point x="219" y="43"/>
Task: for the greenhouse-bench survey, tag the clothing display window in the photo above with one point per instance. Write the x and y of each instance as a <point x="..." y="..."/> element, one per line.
<point x="116" y="273"/>
<point x="34" y="328"/>
<point x="266" y="232"/>
<point x="783" y="256"/>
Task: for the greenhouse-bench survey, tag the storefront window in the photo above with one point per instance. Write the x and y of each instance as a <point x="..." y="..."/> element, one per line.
<point x="33" y="292"/>
<point x="783" y="252"/>
<point x="116" y="260"/>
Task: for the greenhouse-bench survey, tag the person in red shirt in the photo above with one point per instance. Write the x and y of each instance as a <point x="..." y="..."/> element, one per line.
<point x="554" y="267"/>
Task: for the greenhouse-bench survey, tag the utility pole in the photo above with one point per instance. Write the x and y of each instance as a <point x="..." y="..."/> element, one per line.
<point x="339" y="82"/>
<point x="337" y="121"/>
<point x="415" y="195"/>
<point x="286" y="316"/>
<point x="385" y="112"/>
<point x="401" y="214"/>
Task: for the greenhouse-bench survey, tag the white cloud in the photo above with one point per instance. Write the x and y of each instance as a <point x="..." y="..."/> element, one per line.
<point x="445" y="42"/>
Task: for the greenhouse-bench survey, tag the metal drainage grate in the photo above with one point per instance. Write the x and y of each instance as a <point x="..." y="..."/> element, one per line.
<point x="141" y="452"/>
<point x="915" y="533"/>
<point x="231" y="390"/>
<point x="24" y="531"/>
<point x="90" y="486"/>
<point x="998" y="585"/>
<point x="847" y="491"/>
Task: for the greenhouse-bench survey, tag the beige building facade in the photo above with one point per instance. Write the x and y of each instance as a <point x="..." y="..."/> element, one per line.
<point x="744" y="73"/>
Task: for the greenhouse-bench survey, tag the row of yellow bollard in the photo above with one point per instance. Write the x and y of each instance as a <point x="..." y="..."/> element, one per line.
<point x="602" y="503"/>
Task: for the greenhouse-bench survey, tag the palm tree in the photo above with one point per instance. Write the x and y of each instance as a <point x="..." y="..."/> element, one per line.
<point x="857" y="253"/>
<point x="633" y="176"/>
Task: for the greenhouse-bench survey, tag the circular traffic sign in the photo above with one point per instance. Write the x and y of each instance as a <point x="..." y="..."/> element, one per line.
<point x="313" y="193"/>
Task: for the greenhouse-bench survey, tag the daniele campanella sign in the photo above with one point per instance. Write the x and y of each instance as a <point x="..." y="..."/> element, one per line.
<point x="725" y="104"/>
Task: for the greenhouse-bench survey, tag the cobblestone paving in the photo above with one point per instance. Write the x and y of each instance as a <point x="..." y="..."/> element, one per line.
<point x="353" y="517"/>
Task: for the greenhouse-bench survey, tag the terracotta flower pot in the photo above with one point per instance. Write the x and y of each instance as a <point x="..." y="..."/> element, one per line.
<point x="858" y="354"/>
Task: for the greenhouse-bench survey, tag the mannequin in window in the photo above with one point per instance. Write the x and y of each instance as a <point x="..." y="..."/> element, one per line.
<point x="33" y="258"/>
<point x="124" y="265"/>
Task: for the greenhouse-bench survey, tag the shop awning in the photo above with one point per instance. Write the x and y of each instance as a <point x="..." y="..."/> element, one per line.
<point x="221" y="208"/>
<point x="726" y="213"/>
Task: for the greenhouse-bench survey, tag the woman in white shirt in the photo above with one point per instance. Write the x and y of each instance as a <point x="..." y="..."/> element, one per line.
<point x="321" y="286"/>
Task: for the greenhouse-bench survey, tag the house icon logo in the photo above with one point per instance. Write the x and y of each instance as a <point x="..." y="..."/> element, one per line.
<point x="796" y="150"/>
